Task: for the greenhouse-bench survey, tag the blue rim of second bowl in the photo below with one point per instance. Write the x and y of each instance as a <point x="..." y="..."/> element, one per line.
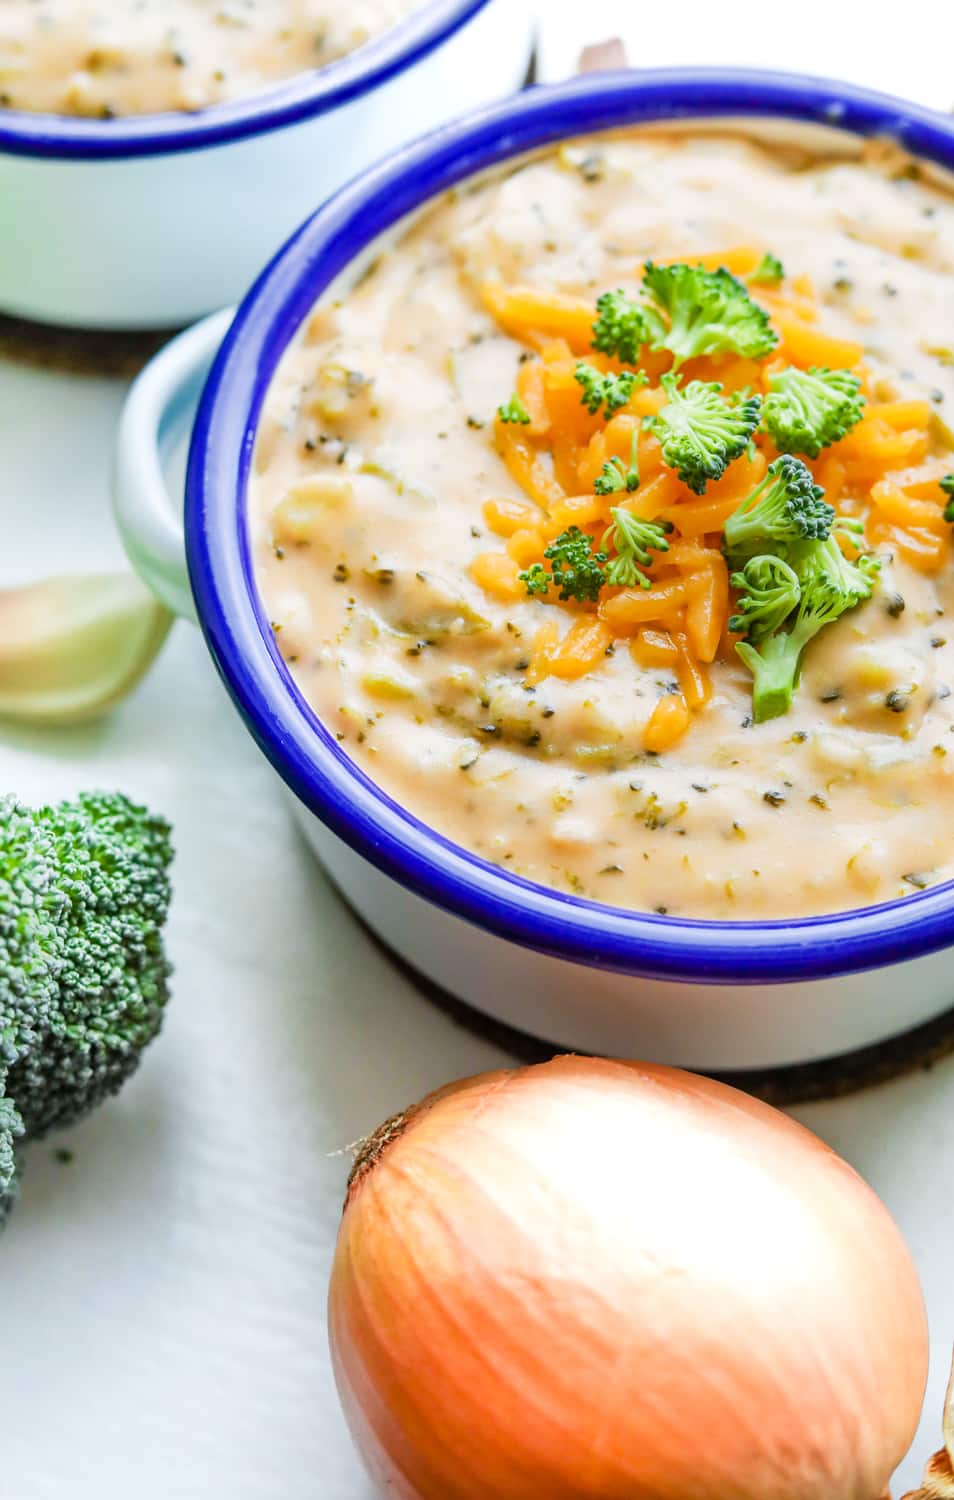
<point x="301" y="749"/>
<point x="299" y="98"/>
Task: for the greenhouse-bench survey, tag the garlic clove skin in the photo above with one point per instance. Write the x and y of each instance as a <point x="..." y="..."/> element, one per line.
<point x="71" y="647"/>
<point x="938" y="1481"/>
<point x="939" y="1475"/>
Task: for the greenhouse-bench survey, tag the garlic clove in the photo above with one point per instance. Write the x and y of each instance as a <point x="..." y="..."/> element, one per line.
<point x="71" y="647"/>
<point x="938" y="1483"/>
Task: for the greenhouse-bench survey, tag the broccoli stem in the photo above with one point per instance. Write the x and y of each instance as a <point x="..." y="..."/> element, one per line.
<point x="775" y="668"/>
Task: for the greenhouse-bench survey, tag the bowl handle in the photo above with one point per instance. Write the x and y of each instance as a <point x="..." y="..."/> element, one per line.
<point x="148" y="517"/>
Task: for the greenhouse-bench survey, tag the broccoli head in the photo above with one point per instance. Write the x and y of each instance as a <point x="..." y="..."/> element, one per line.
<point x="710" y="312"/>
<point x="947" y="488"/>
<point x="807" y="410"/>
<point x="634" y="541"/>
<point x="514" y="411"/>
<point x="84" y="893"/>
<point x="829" y="586"/>
<point x="786" y="508"/>
<point x="616" y="476"/>
<point x="576" y="568"/>
<point x="768" y="272"/>
<point x="700" y="433"/>
<point x="11" y="1127"/>
<point x="622" y="326"/>
<point x="768" y="591"/>
<point x="611" y="391"/>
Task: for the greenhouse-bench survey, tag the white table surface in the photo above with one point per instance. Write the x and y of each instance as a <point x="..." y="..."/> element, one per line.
<point x="163" y="1295"/>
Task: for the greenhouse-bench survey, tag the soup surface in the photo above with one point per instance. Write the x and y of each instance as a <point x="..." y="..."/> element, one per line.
<point x="427" y="437"/>
<point x="102" y="58"/>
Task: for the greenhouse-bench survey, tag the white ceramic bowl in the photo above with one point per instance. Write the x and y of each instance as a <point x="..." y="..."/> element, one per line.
<point x="710" y="995"/>
<point x="153" y="221"/>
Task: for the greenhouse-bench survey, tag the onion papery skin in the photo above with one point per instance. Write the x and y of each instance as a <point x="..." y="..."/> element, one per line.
<point x="594" y="1280"/>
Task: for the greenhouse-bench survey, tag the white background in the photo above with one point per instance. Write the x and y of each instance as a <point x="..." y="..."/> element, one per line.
<point x="840" y="38"/>
<point x="163" y="1330"/>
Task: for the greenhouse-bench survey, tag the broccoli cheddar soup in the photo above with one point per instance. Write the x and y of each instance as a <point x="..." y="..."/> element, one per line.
<point x="606" y="522"/>
<point x="123" y="57"/>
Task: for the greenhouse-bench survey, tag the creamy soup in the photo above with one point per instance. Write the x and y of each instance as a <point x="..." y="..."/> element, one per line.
<point x="103" y="58"/>
<point x="394" y="532"/>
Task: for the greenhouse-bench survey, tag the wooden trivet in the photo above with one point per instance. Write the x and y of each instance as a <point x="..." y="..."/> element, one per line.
<point x="834" y="1078"/>
<point x="77" y="351"/>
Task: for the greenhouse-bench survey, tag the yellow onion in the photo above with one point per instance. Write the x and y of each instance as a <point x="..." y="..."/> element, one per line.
<point x="596" y="1280"/>
<point x="72" y="647"/>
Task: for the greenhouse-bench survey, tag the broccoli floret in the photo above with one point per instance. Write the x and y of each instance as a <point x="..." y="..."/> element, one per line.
<point x="11" y="1126"/>
<point x="514" y="411"/>
<point x="807" y="410"/>
<point x="710" y="312"/>
<point x="535" y="579"/>
<point x="576" y="568"/>
<point x="611" y="391"/>
<point x="634" y="541"/>
<point x="84" y="893"/>
<point x="851" y="578"/>
<point x="768" y="592"/>
<point x="787" y="507"/>
<point x="623" y="326"/>
<point x="768" y="271"/>
<point x="616" y="476"/>
<point x="699" y="432"/>
<point x="947" y="487"/>
<point x="830" y="585"/>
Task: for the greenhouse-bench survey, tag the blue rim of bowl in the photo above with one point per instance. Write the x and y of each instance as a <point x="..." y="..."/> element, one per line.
<point x="300" y="98"/>
<point x="300" y="748"/>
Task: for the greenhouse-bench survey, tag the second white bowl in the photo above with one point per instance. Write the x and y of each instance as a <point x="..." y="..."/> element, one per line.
<point x="153" y="221"/>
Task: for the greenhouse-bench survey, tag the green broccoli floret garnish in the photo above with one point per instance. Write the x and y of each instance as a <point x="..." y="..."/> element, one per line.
<point x="786" y="508"/>
<point x="611" y="391"/>
<point x="623" y="327"/>
<point x="84" y="893"/>
<point x="768" y="271"/>
<point x="616" y="476"/>
<point x="710" y="312"/>
<point x="700" y="433"/>
<point x="947" y="488"/>
<point x="829" y="586"/>
<point x="514" y="411"/>
<point x="576" y="568"/>
<point x="768" y="591"/>
<point x="634" y="541"/>
<point x="535" y="579"/>
<point x="807" y="410"/>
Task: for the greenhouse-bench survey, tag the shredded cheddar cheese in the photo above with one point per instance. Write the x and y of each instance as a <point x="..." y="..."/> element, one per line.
<point x="885" y="471"/>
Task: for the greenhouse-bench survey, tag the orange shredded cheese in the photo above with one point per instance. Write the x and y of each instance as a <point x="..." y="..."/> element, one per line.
<point x="630" y="608"/>
<point x="526" y="546"/>
<point x="886" y="471"/>
<point x="498" y="574"/>
<point x="507" y="516"/>
<point x="806" y="346"/>
<point x="667" y="723"/>
<point x="525" y="311"/>
<point x="654" y="648"/>
<point x="580" y="650"/>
